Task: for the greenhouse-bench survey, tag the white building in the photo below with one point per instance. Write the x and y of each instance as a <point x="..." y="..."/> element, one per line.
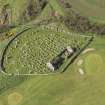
<point x="50" y="66"/>
<point x="70" y="50"/>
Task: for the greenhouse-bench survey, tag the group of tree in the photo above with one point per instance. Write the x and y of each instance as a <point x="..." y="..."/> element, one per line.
<point x="33" y="9"/>
<point x="83" y="24"/>
<point x="75" y="21"/>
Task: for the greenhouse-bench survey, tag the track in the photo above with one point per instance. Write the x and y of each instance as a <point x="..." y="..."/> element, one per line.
<point x="4" y="52"/>
<point x="18" y="34"/>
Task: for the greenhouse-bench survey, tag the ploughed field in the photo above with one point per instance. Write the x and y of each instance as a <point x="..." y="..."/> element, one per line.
<point x="31" y="51"/>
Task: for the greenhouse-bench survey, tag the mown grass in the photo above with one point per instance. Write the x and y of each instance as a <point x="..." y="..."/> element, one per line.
<point x="93" y="63"/>
<point x="69" y="88"/>
<point x="46" y="13"/>
<point x="57" y="7"/>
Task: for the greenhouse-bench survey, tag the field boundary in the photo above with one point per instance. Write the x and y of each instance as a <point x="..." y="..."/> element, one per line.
<point x="4" y="52"/>
<point x="78" y="53"/>
<point x="28" y="27"/>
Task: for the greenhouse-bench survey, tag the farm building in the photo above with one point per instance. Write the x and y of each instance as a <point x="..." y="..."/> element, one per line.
<point x="55" y="63"/>
<point x="58" y="61"/>
<point x="70" y="50"/>
<point x="50" y="66"/>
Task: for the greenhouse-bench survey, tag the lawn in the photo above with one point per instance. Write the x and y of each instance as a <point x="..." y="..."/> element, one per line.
<point x="31" y="50"/>
<point x="93" y="63"/>
<point x="56" y="5"/>
<point x="69" y="88"/>
<point x="46" y="13"/>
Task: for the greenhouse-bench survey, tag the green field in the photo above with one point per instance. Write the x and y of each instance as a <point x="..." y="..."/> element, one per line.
<point x="57" y="7"/>
<point x="83" y="81"/>
<point x="93" y="9"/>
<point x="94" y="63"/>
<point x="69" y="88"/>
<point x="16" y="10"/>
<point x="19" y="12"/>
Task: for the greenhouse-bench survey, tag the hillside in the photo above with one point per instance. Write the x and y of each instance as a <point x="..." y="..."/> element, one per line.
<point x="20" y="11"/>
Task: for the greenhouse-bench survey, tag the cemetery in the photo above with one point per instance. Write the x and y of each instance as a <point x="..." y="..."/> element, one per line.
<point x="42" y="50"/>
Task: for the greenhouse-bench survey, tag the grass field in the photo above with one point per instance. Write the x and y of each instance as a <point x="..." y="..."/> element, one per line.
<point x="94" y="63"/>
<point x="57" y="7"/>
<point x="93" y="9"/>
<point x="29" y="50"/>
<point x="46" y="13"/>
<point x="52" y="6"/>
<point x="16" y="10"/>
<point x="19" y="12"/>
<point x="3" y="44"/>
<point x="69" y="88"/>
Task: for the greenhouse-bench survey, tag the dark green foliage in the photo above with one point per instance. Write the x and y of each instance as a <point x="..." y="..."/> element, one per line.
<point x="82" y="24"/>
<point x="33" y="9"/>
